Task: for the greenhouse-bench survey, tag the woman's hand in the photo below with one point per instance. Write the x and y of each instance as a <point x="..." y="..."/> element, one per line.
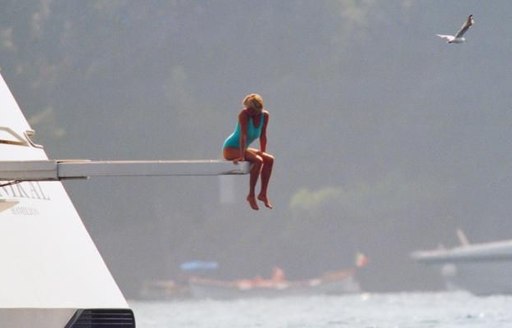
<point x="239" y="159"/>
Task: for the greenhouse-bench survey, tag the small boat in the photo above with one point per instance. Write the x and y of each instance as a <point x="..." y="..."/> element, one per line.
<point x="163" y="290"/>
<point x="331" y="283"/>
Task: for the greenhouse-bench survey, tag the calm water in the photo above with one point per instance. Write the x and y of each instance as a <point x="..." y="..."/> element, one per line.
<point x="411" y="310"/>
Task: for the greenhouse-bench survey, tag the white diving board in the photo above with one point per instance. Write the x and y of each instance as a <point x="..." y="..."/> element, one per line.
<point x="55" y="170"/>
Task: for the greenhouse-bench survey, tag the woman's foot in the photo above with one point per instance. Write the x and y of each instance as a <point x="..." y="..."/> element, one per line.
<point x="252" y="202"/>
<point x="265" y="200"/>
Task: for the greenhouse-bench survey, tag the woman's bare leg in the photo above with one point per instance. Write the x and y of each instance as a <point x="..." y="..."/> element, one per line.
<point x="266" y="172"/>
<point x="256" y="164"/>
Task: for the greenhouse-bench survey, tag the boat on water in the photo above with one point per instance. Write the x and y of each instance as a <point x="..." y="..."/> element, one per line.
<point x="331" y="283"/>
<point x="480" y="268"/>
<point x="163" y="290"/>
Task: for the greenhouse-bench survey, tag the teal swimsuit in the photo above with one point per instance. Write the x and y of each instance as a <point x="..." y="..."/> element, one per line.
<point x="253" y="133"/>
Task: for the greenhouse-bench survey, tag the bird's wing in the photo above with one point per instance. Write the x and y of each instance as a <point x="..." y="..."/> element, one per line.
<point x="446" y="37"/>
<point x="467" y="24"/>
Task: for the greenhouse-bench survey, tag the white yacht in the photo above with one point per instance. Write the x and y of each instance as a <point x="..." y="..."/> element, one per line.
<point x="52" y="273"/>
<point x="482" y="269"/>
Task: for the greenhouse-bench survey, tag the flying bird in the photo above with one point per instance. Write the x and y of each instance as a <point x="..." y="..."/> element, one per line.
<point x="459" y="36"/>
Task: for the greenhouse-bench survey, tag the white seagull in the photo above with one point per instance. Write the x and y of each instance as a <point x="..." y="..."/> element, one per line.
<point x="459" y="36"/>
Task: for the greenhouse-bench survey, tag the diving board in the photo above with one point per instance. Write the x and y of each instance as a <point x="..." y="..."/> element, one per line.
<point x="55" y="170"/>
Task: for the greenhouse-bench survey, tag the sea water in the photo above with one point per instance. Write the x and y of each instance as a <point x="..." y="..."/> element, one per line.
<point x="407" y="310"/>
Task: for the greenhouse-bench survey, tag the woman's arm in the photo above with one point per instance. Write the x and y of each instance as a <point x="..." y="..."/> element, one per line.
<point x="263" y="137"/>
<point x="242" y="119"/>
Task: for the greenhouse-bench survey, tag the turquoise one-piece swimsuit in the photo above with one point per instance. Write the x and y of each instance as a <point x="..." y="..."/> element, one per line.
<point x="253" y="133"/>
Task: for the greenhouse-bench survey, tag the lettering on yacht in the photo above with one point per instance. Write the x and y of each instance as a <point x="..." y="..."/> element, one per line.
<point x="24" y="210"/>
<point x="25" y="190"/>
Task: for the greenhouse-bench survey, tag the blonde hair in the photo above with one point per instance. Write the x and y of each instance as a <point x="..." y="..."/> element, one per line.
<point x="253" y="100"/>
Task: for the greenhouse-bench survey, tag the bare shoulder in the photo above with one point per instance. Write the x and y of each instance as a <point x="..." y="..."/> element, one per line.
<point x="242" y="114"/>
<point x="266" y="114"/>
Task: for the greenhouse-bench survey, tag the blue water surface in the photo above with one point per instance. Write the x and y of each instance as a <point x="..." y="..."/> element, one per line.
<point x="407" y="310"/>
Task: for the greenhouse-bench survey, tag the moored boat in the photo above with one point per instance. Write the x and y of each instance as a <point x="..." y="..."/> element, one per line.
<point x="482" y="269"/>
<point x="331" y="283"/>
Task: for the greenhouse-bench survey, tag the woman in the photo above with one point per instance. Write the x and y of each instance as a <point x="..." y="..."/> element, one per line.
<point x="252" y="124"/>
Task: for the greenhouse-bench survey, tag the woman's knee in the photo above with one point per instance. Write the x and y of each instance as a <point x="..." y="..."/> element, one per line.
<point x="257" y="161"/>
<point x="268" y="159"/>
